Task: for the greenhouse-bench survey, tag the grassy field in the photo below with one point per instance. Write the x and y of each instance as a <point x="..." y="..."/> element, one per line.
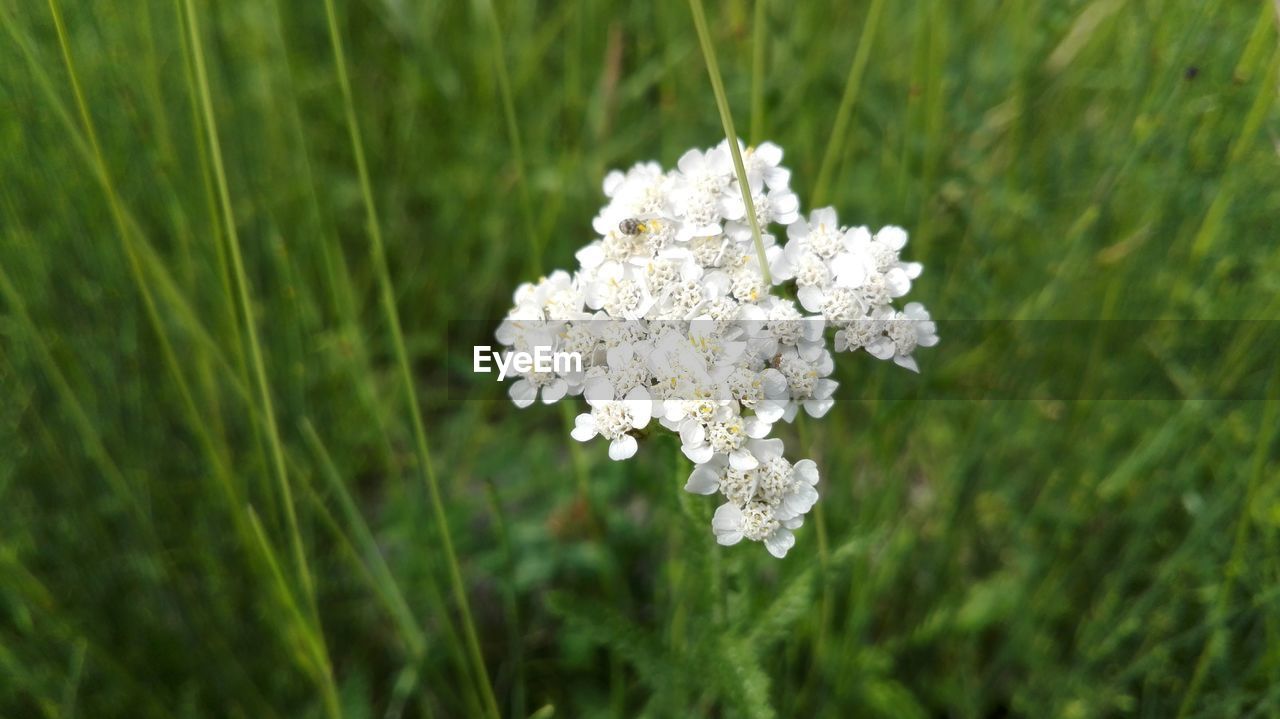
<point x="235" y="236"/>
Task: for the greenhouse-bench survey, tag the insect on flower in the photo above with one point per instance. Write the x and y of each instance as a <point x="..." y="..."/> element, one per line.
<point x="634" y="226"/>
<point x="678" y="329"/>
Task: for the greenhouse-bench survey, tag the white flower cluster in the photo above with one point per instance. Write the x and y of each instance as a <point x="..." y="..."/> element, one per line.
<point x="674" y="321"/>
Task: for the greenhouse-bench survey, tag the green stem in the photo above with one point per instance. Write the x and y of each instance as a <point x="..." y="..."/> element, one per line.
<point x="852" y="83"/>
<point x="246" y="304"/>
<point x="312" y="642"/>
<point x="197" y="424"/>
<point x="370" y="553"/>
<point x="387" y="292"/>
<point x="722" y="103"/>
<point x="315" y="634"/>
<point x="513" y="136"/>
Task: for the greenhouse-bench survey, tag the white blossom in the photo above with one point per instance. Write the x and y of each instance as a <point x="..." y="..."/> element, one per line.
<point x="673" y="320"/>
<point x="613" y="419"/>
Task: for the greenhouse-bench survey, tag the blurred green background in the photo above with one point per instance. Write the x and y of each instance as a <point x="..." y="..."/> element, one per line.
<point x="201" y="521"/>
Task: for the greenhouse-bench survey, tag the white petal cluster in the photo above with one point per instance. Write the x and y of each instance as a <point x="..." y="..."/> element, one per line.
<point x="676" y="325"/>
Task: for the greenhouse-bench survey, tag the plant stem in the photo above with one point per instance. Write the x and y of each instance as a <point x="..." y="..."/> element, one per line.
<point x="722" y="103"/>
<point x="852" y="83"/>
<point x="245" y="303"/>
<point x="513" y="136"/>
<point x="426" y="469"/>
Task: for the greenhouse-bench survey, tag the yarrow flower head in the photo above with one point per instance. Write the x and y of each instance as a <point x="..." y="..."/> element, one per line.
<point x="676" y="326"/>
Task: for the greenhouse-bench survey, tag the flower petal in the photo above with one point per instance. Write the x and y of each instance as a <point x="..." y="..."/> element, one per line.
<point x="623" y="447"/>
<point x="892" y="236"/>
<point x="897" y="282"/>
<point x="811" y="328"/>
<point x="806" y="470"/>
<point x="771" y="410"/>
<point x="801" y="500"/>
<point x="727" y="518"/>
<point x="908" y="362"/>
<point x="798" y="230"/>
<point x="779" y="542"/>
<point x="703" y="480"/>
<point x="591" y="255"/>
<point x="584" y="427"/>
<point x="523" y="393"/>
<point x="692" y="433"/>
<point x="555" y="391"/>
<point x="742" y="460"/>
<point x="811" y="298"/>
<point x="850" y="269"/>
<point x="640" y="405"/>
<point x="598" y="391"/>
<point x="769" y="153"/>
<point x="700" y="454"/>
<point x="881" y="348"/>
<point x="766" y="449"/>
<point x="817" y="408"/>
<point x="756" y="428"/>
<point x="775" y="383"/>
<point x="728" y="539"/>
<point x="824" y="216"/>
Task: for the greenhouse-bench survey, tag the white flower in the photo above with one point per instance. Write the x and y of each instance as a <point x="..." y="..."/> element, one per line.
<point x="908" y="330"/>
<point x="553" y="298"/>
<point x="629" y="367"/>
<point x="866" y="332"/>
<point x="581" y="339"/>
<point x="644" y="191"/>
<point x="525" y="389"/>
<point x="747" y="386"/>
<point x="884" y="248"/>
<point x="875" y="259"/>
<point x="755" y="521"/>
<point x="612" y="418"/>
<point x="763" y="162"/>
<point x="672" y="318"/>
<point x="790" y="489"/>
<point x="821" y="234"/>
<point x="706" y="477"/>
<point x="701" y="441"/>
<point x="700" y="191"/>
<point x="808" y="383"/>
<point x="811" y="244"/>
<point x="779" y="205"/>
<point x="777" y="398"/>
<point x="855" y="263"/>
<point x="764" y="503"/>
<point x="682" y="300"/>
<point x="620" y="291"/>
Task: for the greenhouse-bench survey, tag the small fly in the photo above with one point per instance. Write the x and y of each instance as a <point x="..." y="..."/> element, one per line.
<point x="634" y="226"/>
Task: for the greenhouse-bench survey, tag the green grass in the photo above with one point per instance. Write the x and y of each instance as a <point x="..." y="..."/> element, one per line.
<point x="233" y="237"/>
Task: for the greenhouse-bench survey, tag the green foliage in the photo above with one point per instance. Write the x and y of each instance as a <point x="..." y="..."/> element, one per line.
<point x="193" y="527"/>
